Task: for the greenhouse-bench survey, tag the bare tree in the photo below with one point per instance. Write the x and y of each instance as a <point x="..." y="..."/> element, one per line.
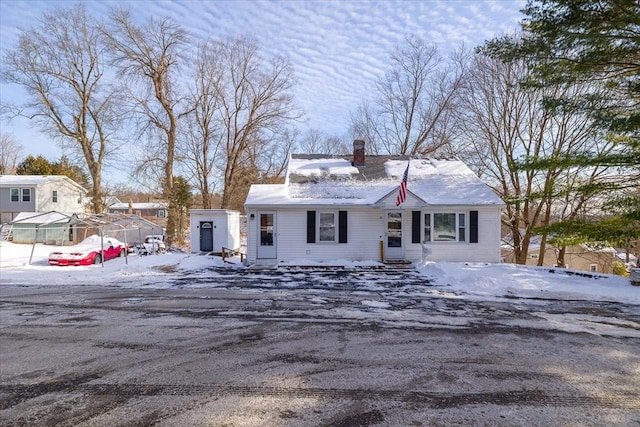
<point x="148" y="56"/>
<point x="253" y="102"/>
<point x="203" y="137"/>
<point x="60" y="64"/>
<point x="412" y="102"/>
<point x="503" y="122"/>
<point x="10" y="152"/>
<point x="314" y="141"/>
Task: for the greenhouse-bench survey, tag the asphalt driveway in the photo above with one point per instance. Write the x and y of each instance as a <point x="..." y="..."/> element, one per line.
<point x="246" y="348"/>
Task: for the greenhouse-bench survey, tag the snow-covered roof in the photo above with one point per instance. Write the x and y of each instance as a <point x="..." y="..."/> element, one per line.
<point x="321" y="166"/>
<point x="147" y="205"/>
<point x="313" y="180"/>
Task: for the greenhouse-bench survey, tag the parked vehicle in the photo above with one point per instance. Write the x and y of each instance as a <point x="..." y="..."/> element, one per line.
<point x="89" y="251"/>
<point x="153" y="244"/>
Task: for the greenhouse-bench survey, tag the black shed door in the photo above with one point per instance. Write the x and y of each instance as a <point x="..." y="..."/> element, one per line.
<point x="206" y="236"/>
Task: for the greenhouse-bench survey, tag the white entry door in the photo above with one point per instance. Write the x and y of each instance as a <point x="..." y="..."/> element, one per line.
<point x="267" y="235"/>
<point x="393" y="247"/>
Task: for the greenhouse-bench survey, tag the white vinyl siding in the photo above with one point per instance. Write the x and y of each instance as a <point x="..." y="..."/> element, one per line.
<point x="367" y="230"/>
<point x="58" y="195"/>
<point x="486" y="250"/>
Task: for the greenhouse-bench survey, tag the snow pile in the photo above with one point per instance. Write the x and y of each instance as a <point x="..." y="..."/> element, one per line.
<point x="486" y="281"/>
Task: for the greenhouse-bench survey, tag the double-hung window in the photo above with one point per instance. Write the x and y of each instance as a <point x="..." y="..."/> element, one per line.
<point x="461" y="228"/>
<point x="20" y="194"/>
<point x="54" y="196"/>
<point x="445" y="227"/>
<point x="327" y="227"/>
<point x="427" y="227"/>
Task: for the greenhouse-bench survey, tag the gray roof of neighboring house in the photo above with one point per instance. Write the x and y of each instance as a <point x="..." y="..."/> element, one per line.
<point x="34" y="180"/>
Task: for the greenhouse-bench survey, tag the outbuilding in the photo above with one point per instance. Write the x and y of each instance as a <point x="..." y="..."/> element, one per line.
<point x="214" y="229"/>
<point x="54" y="228"/>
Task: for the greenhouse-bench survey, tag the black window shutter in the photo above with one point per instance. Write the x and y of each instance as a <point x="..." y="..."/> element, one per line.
<point x="415" y="226"/>
<point x="473" y="227"/>
<point x="342" y="226"/>
<point x="311" y="226"/>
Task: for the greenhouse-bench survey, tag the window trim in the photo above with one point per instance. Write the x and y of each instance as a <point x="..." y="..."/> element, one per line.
<point x="21" y="192"/>
<point x="461" y="220"/>
<point x="334" y="214"/>
<point x="458" y="226"/>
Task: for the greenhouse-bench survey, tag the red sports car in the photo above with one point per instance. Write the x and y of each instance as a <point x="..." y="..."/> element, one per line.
<point x="89" y="252"/>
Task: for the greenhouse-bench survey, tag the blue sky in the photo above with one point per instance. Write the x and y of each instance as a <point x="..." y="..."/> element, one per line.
<point x="338" y="48"/>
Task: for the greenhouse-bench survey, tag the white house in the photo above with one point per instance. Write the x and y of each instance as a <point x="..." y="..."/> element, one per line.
<point x="334" y="208"/>
<point x="39" y="193"/>
<point x="213" y="229"/>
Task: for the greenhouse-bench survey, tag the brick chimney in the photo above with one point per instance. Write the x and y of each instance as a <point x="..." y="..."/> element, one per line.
<point x="358" y="152"/>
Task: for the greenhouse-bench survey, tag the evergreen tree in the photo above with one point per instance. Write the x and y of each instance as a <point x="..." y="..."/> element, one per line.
<point x="39" y="165"/>
<point x="182" y="199"/>
<point x="35" y="166"/>
<point x="596" y="42"/>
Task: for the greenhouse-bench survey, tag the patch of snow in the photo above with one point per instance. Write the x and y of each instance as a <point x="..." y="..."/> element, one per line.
<point x="321" y="167"/>
<point x="446" y="280"/>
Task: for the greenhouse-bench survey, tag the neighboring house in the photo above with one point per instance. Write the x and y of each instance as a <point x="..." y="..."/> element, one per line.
<point x="39" y="193"/>
<point x="585" y="257"/>
<point x="155" y="212"/>
<point x="334" y="208"/>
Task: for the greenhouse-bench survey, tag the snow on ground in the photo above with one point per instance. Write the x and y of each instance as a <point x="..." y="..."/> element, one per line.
<point x="470" y="281"/>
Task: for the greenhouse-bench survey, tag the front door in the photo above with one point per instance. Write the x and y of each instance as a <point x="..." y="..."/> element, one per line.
<point x="393" y="249"/>
<point x="206" y="236"/>
<point x="266" y="235"/>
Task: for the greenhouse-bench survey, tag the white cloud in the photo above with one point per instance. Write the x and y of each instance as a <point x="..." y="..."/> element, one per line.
<point x="338" y="48"/>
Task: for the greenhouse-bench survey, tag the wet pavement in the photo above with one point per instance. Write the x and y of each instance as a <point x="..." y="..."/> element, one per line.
<point x="240" y="347"/>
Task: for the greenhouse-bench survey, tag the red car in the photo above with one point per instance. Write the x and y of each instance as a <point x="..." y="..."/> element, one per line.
<point x="89" y="252"/>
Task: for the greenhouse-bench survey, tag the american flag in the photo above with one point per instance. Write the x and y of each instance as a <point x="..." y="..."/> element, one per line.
<point x="402" y="191"/>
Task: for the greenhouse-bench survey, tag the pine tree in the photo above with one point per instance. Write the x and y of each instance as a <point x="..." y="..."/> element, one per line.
<point x="596" y="42"/>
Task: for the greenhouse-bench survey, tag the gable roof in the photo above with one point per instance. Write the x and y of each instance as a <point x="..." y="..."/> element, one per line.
<point x="334" y="180"/>
<point x="35" y="180"/>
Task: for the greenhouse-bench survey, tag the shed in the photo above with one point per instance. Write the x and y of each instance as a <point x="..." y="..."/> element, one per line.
<point x="214" y="229"/>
